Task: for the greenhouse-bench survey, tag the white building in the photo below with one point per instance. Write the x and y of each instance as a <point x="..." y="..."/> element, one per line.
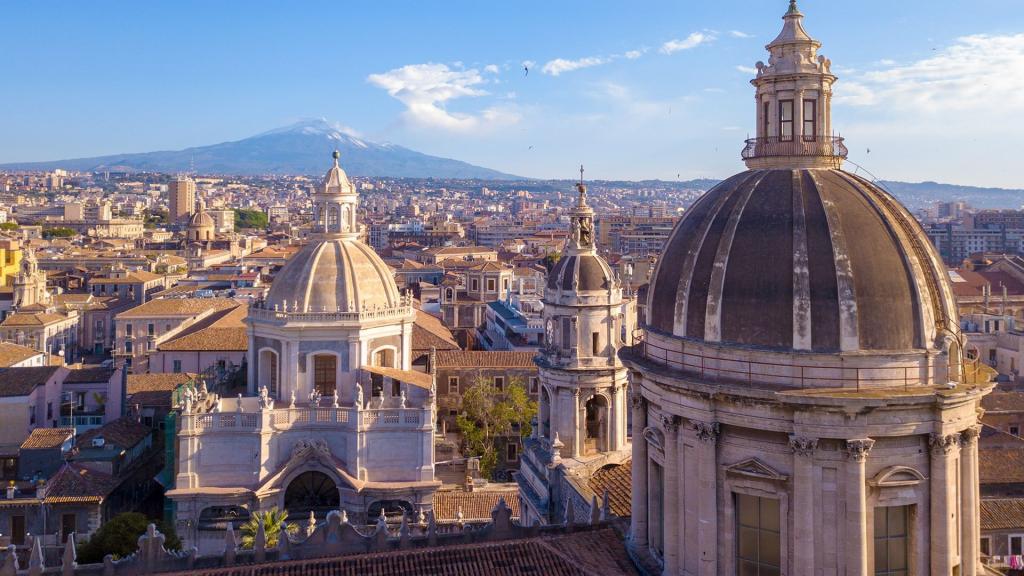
<point x="335" y="418"/>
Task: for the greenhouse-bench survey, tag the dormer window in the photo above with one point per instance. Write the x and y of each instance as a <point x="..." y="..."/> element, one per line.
<point x="786" y="120"/>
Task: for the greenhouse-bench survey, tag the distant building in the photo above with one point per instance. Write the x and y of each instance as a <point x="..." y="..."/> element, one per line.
<point x="181" y="199"/>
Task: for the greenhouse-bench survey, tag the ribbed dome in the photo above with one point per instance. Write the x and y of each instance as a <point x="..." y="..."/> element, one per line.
<point x="815" y="260"/>
<point x="200" y="220"/>
<point x="585" y="271"/>
<point x="334" y="275"/>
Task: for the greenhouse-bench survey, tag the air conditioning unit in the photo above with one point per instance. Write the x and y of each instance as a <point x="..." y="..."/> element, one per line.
<point x="98" y="442"/>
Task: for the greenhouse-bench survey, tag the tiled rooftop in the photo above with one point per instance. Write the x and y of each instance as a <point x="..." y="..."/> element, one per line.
<point x="617" y="479"/>
<point x="1002" y="513"/>
<point x="11" y="353"/>
<point x="484" y="359"/>
<point x="475" y="505"/>
<point x="43" y="438"/>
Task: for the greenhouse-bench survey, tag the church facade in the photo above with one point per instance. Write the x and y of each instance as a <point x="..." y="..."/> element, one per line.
<point x="334" y="419"/>
<point x="801" y="401"/>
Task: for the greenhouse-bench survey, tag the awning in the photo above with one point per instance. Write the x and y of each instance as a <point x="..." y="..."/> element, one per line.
<point x="408" y="376"/>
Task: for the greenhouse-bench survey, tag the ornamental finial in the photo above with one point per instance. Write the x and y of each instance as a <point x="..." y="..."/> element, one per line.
<point x="792" y="8"/>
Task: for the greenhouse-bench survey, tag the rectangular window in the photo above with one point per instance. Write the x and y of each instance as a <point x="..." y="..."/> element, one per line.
<point x="499" y="382"/>
<point x="474" y="284"/>
<point x="453" y="384"/>
<point x="68" y="526"/>
<point x="786" y="120"/>
<point x="892" y="540"/>
<point x="128" y="347"/>
<point x="595" y="341"/>
<point x="32" y="415"/>
<point x="1015" y="430"/>
<point x="128" y="330"/>
<point x="150" y="329"/>
<point x="1016" y="544"/>
<point x="655" y="509"/>
<point x="986" y="546"/>
<point x="766" y="118"/>
<point x="566" y="333"/>
<point x="490" y="284"/>
<point x="273" y="374"/>
<point x="49" y="410"/>
<point x="177" y="369"/>
<point x="325" y="369"/>
<point x="80" y="401"/>
<point x="511" y="452"/>
<point x="18" y="530"/>
<point x="810" y="120"/>
<point x="534" y="385"/>
<point x="758" y="544"/>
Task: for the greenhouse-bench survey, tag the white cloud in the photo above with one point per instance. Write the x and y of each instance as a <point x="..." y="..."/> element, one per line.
<point x="425" y="89"/>
<point x="740" y="34"/>
<point x="491" y="69"/>
<point x="561" y="65"/>
<point x="692" y="41"/>
<point x="747" y="69"/>
<point x="633" y="54"/>
<point x="977" y="72"/>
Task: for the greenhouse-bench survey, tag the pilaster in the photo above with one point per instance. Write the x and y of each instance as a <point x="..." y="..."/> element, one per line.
<point x="638" y="525"/>
<point x="671" y="475"/>
<point x="856" y="506"/>
<point x="707" y="486"/>
<point x="944" y="449"/>
<point x="803" y="504"/>
<point x="970" y="530"/>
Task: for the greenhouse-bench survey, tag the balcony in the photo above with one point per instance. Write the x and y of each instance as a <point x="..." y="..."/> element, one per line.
<point x="822" y="150"/>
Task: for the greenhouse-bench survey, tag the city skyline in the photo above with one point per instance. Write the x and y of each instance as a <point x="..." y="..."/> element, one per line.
<point x="658" y="94"/>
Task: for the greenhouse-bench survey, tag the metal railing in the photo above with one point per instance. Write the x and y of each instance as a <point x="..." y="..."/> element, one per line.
<point x="724" y="369"/>
<point x="823" y="146"/>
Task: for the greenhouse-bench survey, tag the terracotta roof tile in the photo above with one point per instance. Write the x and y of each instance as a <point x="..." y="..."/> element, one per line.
<point x="484" y="359"/>
<point x="89" y="374"/>
<point x="221" y="331"/>
<point x="21" y="381"/>
<point x="42" y="438"/>
<point x="429" y="332"/>
<point x="997" y="401"/>
<point x="1002" y="513"/>
<point x="1001" y="465"/>
<point x="156" y="382"/>
<point x="123" y="432"/>
<point x="474" y="505"/>
<point x="617" y="479"/>
<point x="11" y="353"/>
<point x="178" y="307"/>
<point x="585" y="553"/>
<point x="75" y="483"/>
<point x="33" y="319"/>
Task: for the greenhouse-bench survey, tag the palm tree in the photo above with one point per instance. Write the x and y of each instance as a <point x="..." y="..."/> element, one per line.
<point x="273" y="521"/>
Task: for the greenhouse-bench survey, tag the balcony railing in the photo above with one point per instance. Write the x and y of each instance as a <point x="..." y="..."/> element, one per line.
<point x="772" y="146"/>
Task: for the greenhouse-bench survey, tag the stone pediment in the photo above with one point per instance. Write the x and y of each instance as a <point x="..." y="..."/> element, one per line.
<point x="308" y="455"/>
<point x="894" y="476"/>
<point x="754" y="468"/>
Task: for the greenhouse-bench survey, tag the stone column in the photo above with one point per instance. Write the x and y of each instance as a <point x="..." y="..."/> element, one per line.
<point x="856" y="507"/>
<point x="969" y="488"/>
<point x="614" y="414"/>
<point x="803" y="504"/>
<point x="706" y="485"/>
<point x="943" y="531"/>
<point x="670" y="476"/>
<point x="575" y="422"/>
<point x="250" y="357"/>
<point x="798" y="115"/>
<point x="638" y="524"/>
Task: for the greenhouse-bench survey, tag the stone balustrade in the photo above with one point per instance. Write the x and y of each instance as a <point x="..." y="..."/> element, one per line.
<point x="283" y="419"/>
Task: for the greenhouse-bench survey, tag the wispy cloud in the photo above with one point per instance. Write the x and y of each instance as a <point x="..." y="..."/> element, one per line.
<point x="739" y="34"/>
<point x="633" y="54"/>
<point x="425" y="90"/>
<point x="692" y="41"/>
<point x="492" y="69"/>
<point x="747" y="69"/>
<point x="561" y="65"/>
<point x="974" y="73"/>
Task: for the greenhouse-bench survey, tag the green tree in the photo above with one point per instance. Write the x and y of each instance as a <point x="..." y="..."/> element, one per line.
<point x="489" y="414"/>
<point x="551" y="259"/>
<point x="273" y="521"/>
<point x="58" y="232"/>
<point x="120" y="537"/>
<point x="250" y="219"/>
<point x="9" y="226"/>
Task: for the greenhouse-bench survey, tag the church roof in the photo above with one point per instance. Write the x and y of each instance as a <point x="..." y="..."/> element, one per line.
<point x="484" y="359"/>
<point x="617" y="481"/>
<point x="476" y="505"/>
<point x="11" y="353"/>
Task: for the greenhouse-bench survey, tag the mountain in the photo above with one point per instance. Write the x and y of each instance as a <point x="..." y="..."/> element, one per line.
<point x="303" y="148"/>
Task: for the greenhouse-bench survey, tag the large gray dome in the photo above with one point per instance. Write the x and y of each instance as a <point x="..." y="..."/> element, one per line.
<point x="814" y="260"/>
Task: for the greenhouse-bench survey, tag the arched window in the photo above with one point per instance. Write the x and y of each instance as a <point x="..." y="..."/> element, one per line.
<point x="545" y="413"/>
<point x="269" y="371"/>
<point x="332" y="218"/>
<point x="596" y="438"/>
<point x="311" y="491"/>
<point x="384" y="357"/>
<point x="325" y="373"/>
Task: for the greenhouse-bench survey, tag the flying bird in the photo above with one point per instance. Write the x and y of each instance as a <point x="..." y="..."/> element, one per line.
<point x="869" y="150"/>
<point x="526" y="71"/>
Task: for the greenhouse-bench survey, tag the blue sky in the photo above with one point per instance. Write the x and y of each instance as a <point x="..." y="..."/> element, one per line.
<point x="632" y="90"/>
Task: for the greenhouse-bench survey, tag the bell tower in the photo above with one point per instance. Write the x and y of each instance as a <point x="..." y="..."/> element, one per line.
<point x="582" y="424"/>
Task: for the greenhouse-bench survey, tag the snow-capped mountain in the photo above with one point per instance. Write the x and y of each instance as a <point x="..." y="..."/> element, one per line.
<point x="302" y="148"/>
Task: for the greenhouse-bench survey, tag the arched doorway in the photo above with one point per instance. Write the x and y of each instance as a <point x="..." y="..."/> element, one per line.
<point x="325" y="373"/>
<point x="311" y="491"/>
<point x="393" y="510"/>
<point x="596" y="423"/>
